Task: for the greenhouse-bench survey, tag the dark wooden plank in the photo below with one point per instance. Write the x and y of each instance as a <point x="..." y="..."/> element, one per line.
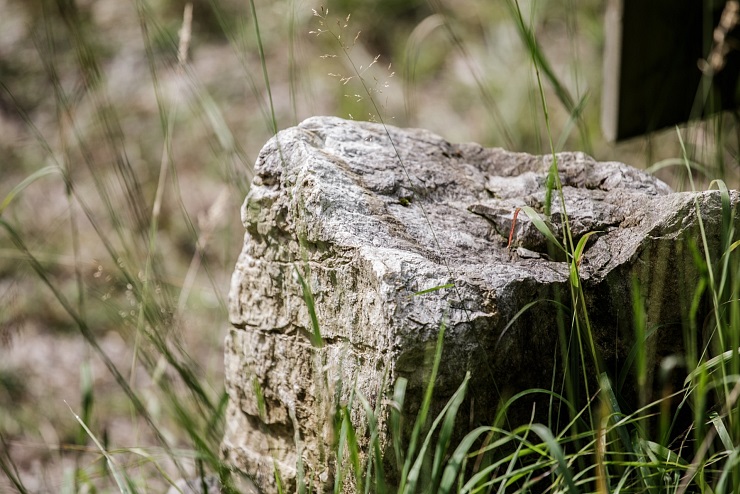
<point x="651" y="65"/>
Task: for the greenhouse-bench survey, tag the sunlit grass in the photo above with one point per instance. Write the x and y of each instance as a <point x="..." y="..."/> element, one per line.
<point x="123" y="209"/>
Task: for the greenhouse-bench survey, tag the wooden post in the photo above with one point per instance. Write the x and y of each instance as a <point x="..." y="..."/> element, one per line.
<point x="656" y="64"/>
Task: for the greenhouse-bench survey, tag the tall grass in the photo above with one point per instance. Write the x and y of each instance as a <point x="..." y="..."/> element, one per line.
<point x="618" y="450"/>
<point x="122" y="210"/>
<point x="175" y="412"/>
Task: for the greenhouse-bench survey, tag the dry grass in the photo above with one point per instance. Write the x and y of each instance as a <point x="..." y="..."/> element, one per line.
<point x="156" y="152"/>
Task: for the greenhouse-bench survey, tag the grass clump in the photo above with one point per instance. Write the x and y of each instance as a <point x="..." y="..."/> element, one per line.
<point x="606" y="448"/>
<point x="115" y="191"/>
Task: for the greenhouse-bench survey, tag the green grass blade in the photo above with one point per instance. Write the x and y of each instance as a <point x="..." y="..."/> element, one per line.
<point x="611" y="398"/>
<point x="729" y="470"/>
<point x="341" y="442"/>
<point x="722" y="432"/>
<point x="575" y="278"/>
<point x="645" y="463"/>
<point x="501" y="413"/>
<point x="574" y="119"/>
<point x="632" y="356"/>
<point x="512" y="474"/>
<point x="110" y="461"/>
<point x="8" y="466"/>
<point x="423" y="411"/>
<point x="679" y="162"/>
<point x="354" y="449"/>
<point x="376" y="460"/>
<point x="396" y="424"/>
<point x="263" y="62"/>
<point x="25" y="183"/>
<point x="434" y="289"/>
<point x="557" y="452"/>
<point x="710" y="366"/>
<point x="639" y="318"/>
<point x="449" y="412"/>
<point x="665" y="455"/>
<point x="514" y="319"/>
<point x="542" y="227"/>
<point x="447" y="484"/>
<point x="581" y="246"/>
<point x="87" y="392"/>
<point x="541" y="62"/>
<point x="489" y="476"/>
<point x="316" y="340"/>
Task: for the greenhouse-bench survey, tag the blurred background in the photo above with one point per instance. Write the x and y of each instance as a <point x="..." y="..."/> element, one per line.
<point x="128" y="132"/>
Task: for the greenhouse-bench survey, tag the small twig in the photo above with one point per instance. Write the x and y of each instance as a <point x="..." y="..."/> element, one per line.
<point x="513" y="226"/>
